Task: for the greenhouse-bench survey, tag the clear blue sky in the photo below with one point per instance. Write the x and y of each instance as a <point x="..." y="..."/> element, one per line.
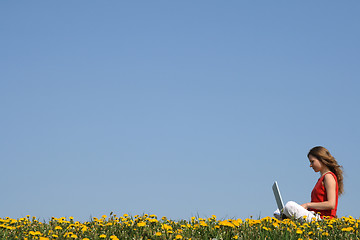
<point x="174" y="108"/>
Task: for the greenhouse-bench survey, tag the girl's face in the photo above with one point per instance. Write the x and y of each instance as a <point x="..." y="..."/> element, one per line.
<point x="315" y="163"/>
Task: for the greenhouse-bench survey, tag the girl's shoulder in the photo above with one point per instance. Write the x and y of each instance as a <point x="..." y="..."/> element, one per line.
<point x="330" y="176"/>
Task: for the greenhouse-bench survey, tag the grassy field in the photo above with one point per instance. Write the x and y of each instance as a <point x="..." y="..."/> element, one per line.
<point x="151" y="227"/>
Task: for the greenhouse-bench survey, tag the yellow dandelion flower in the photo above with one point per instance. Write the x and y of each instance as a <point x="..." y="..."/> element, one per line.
<point x="299" y="231"/>
<point x="141" y="224"/>
<point x="158" y="234"/>
<point x="102" y="236"/>
<point x="113" y="237"/>
<point x="166" y="227"/>
<point x="153" y="220"/>
<point x="226" y="223"/>
<point x="237" y="222"/>
<point x="178" y="236"/>
<point x="266" y="219"/>
<point x="305" y="225"/>
<point x="235" y="237"/>
<point x="104" y="216"/>
<point x="202" y="223"/>
<point x="348" y="229"/>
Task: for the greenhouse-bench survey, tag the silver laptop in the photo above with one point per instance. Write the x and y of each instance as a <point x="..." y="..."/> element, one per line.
<point x="277" y="195"/>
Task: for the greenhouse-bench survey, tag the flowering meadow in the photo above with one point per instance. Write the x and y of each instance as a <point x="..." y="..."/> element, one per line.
<point x="151" y="227"/>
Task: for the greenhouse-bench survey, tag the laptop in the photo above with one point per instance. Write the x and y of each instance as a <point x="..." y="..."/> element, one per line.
<point x="279" y="201"/>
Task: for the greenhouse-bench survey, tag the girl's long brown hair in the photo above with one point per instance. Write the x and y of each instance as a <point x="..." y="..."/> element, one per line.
<point x="323" y="155"/>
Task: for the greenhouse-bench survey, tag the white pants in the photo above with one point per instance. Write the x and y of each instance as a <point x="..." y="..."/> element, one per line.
<point x="294" y="210"/>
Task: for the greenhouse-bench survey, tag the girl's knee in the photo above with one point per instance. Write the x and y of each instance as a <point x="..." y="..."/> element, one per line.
<point x="290" y="204"/>
<point x="289" y="208"/>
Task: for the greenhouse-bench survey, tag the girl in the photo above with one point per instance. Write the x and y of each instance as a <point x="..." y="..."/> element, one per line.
<point x="324" y="196"/>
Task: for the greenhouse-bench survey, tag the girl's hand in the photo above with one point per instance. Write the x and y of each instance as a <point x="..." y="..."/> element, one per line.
<point x="305" y="205"/>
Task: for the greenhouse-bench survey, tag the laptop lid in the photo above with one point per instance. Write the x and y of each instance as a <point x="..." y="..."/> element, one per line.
<point x="277" y="195"/>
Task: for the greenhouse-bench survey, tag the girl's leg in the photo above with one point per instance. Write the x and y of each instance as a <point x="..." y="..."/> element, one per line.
<point x="277" y="214"/>
<point x="292" y="209"/>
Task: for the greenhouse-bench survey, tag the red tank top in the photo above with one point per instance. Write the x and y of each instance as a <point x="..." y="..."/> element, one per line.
<point x="319" y="194"/>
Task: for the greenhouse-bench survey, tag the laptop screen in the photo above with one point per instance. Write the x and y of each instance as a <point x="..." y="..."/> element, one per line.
<point x="277" y="195"/>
